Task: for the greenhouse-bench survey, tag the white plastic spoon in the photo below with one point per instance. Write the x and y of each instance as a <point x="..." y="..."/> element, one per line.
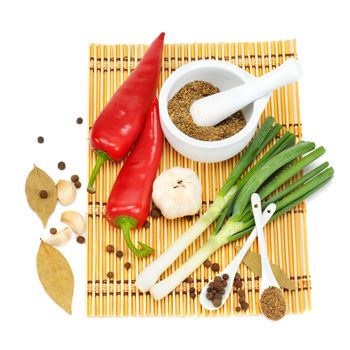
<point x="267" y="277"/>
<point x="211" y="110"/>
<point x="232" y="268"/>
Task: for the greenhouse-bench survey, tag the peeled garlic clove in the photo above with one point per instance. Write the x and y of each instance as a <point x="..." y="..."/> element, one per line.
<point x="66" y="192"/>
<point x="60" y="239"/>
<point x="74" y="220"/>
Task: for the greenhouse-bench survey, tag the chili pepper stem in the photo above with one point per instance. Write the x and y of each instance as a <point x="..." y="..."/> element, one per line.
<point x="127" y="223"/>
<point x="101" y="158"/>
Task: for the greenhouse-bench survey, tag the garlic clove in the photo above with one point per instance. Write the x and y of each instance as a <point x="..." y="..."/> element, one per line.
<point x="60" y="239"/>
<point x="74" y="221"/>
<point x="177" y="192"/>
<point x="66" y="192"/>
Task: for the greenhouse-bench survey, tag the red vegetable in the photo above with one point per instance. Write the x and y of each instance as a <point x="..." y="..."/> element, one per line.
<point x="121" y="121"/>
<point x="129" y="202"/>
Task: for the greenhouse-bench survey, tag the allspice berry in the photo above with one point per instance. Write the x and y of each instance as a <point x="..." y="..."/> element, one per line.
<point x="244" y="306"/>
<point x="77" y="184"/>
<point x="61" y="165"/>
<point x="238" y="283"/>
<point x="155" y="213"/>
<point x="43" y="194"/>
<point x="81" y="239"/>
<point x="147" y="224"/>
<point x="225" y="276"/>
<point x="74" y="178"/>
<point x="110" y="248"/>
<point x="215" y="267"/>
<point x="207" y="263"/>
<point x="119" y="254"/>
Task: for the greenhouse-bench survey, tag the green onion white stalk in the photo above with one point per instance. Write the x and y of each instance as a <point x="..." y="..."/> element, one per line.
<point x="148" y="277"/>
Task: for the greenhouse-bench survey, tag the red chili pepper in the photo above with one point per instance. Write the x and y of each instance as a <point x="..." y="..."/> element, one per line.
<point x="129" y="202"/>
<point x="122" y="120"/>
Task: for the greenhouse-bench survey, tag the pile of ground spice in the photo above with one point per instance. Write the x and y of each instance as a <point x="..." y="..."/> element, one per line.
<point x="272" y="303"/>
<point x="179" y="112"/>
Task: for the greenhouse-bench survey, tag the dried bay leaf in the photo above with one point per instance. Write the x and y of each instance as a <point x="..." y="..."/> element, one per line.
<point x="253" y="262"/>
<point x="55" y="275"/>
<point x="38" y="180"/>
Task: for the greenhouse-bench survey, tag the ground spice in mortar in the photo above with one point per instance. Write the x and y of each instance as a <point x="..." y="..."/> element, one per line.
<point x="272" y="303"/>
<point x="179" y="112"/>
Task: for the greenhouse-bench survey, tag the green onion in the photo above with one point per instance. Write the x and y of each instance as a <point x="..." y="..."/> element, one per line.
<point x="296" y="184"/>
<point x="151" y="273"/>
<point x="262" y="138"/>
<point x="273" y="164"/>
<point x="287" y="140"/>
<point x="273" y="172"/>
<point x="233" y="230"/>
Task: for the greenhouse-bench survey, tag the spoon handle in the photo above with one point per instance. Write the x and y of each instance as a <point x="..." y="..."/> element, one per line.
<point x="266" y="216"/>
<point x="267" y="276"/>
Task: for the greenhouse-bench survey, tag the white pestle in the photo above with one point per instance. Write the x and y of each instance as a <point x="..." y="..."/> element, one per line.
<point x="211" y="110"/>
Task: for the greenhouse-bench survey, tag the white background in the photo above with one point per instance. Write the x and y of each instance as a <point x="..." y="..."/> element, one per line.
<point x="43" y="88"/>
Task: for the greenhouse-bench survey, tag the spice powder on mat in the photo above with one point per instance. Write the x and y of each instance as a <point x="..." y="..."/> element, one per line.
<point x="179" y="112"/>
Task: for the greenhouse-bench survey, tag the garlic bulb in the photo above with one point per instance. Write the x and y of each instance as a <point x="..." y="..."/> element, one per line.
<point x="74" y="220"/>
<point x="60" y="239"/>
<point x="177" y="192"/>
<point x="66" y="192"/>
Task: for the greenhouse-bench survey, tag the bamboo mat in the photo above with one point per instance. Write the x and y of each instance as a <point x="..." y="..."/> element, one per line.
<point x="286" y="237"/>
